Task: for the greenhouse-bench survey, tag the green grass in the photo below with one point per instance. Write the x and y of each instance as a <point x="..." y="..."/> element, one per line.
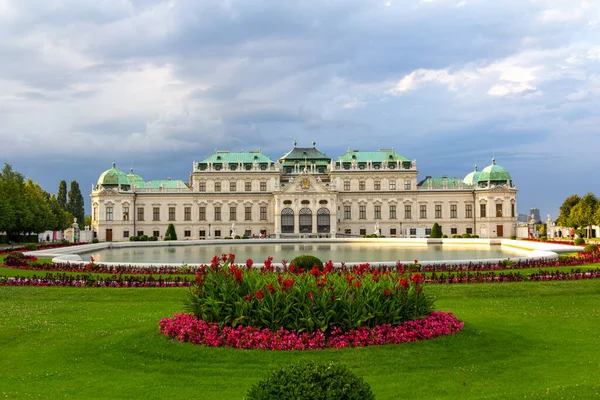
<point x="530" y="339"/>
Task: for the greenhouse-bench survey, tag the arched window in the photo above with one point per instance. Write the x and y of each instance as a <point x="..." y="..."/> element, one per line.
<point x="287" y="220"/>
<point x="323" y="220"/>
<point x="305" y="220"/>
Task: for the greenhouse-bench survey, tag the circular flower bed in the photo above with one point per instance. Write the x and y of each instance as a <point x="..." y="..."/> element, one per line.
<point x="233" y="306"/>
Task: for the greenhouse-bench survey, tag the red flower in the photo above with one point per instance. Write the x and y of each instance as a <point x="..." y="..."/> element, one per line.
<point x="259" y="294"/>
<point x="288" y="284"/>
<point x="292" y="268"/>
<point x="416" y="278"/>
<point x="249" y="263"/>
<point x="310" y="294"/>
<point x="315" y="270"/>
<point x="271" y="288"/>
<point x="387" y="292"/>
<point x="247" y="297"/>
<point x="404" y="283"/>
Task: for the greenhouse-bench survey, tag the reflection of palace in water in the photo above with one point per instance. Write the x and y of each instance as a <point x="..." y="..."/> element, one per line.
<point x="304" y="193"/>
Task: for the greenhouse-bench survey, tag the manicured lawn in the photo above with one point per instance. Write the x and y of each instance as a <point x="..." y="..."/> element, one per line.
<point x="530" y="339"/>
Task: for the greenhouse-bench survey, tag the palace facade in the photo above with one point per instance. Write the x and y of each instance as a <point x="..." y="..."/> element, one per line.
<point x="304" y="193"/>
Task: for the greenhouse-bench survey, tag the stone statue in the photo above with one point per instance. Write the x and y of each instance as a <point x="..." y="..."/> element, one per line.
<point x="376" y="228"/>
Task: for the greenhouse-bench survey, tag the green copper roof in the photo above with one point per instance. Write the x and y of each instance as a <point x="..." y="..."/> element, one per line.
<point x="374" y="156"/>
<point x="135" y="180"/>
<point x="494" y="172"/>
<point x="167" y="184"/>
<point x="113" y="177"/>
<point x="472" y="178"/>
<point x="222" y="156"/>
<point x="298" y="154"/>
<point x="440" y="182"/>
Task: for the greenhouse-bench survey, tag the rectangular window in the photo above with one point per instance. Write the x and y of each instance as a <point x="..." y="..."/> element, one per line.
<point x="140" y="233"/>
<point x="248" y="213"/>
<point x="422" y="211"/>
<point x="453" y="231"/>
<point x="346" y="185"/>
<point x="482" y="212"/>
<point x="217" y="233"/>
<point x="438" y="211"/>
<point x="470" y="231"/>
<point x="125" y="213"/>
<point x="512" y="210"/>
<point x="109" y="213"/>
<point x="202" y="186"/>
<point x="156" y="233"/>
<point x="453" y="211"/>
<point x="499" y="210"/>
<point x="125" y="234"/>
<point x="362" y="212"/>
<point x="469" y="210"/>
<point x="392" y="184"/>
<point x="217" y="186"/>
<point x="392" y="211"/>
<point x="202" y="233"/>
<point x="187" y="234"/>
<point x="428" y="231"/>
<point x="377" y="185"/>
<point x="263" y="213"/>
<point x="140" y="212"/>
<point x="187" y="213"/>
<point x="232" y="186"/>
<point x="217" y="215"/>
<point x="392" y="231"/>
<point x="407" y="212"/>
<point x="156" y="214"/>
<point x="347" y="212"/>
<point x="263" y="186"/>
<point x="95" y="213"/>
<point x="413" y="231"/>
<point x="171" y="213"/>
<point x="348" y="231"/>
<point x="248" y="186"/>
<point x="377" y="212"/>
<point x="202" y="213"/>
<point x="361" y="185"/>
<point x="407" y="184"/>
<point x="232" y="213"/>
<point x="362" y="232"/>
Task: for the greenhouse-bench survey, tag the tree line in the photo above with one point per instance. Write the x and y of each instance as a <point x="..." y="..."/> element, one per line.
<point x="580" y="213"/>
<point x="26" y="208"/>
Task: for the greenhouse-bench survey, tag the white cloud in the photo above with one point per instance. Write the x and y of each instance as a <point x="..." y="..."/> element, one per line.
<point x="509" y="88"/>
<point x="579" y="95"/>
<point x="418" y="77"/>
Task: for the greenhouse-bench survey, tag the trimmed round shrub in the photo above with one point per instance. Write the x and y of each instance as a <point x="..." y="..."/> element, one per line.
<point x="65" y="243"/>
<point x="152" y="239"/>
<point x="456" y="236"/>
<point x="513" y="237"/>
<point x="444" y="236"/>
<point x="579" y="241"/>
<point x="591" y="248"/>
<point x="144" y="238"/>
<point x="237" y="237"/>
<point x="475" y="236"/>
<point x="31" y="246"/>
<point x="95" y="240"/>
<point x="311" y="381"/>
<point x="134" y="239"/>
<point x="543" y="238"/>
<point x="466" y="236"/>
<point x="307" y="262"/>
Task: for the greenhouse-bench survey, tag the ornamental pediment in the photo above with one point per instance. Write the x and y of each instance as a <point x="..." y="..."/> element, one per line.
<point x="304" y="183"/>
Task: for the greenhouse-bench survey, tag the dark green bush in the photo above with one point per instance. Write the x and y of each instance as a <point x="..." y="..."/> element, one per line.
<point x="444" y="236"/>
<point x="543" y="238"/>
<point x="436" y="231"/>
<point x="311" y="381"/>
<point x="306" y="261"/>
<point x="456" y="236"/>
<point x="31" y="246"/>
<point x="65" y="243"/>
<point x="466" y="236"/>
<point x="474" y="236"/>
<point x="171" y="234"/>
<point x="513" y="237"/>
<point x="579" y="241"/>
<point x="152" y="239"/>
<point x="144" y="238"/>
<point x="95" y="240"/>
<point x="237" y="237"/>
<point x="134" y="239"/>
<point x="591" y="248"/>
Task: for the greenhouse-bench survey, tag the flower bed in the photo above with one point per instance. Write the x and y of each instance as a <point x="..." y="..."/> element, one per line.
<point x="187" y="328"/>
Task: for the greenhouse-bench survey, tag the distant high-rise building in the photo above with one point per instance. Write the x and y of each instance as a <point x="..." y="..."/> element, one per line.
<point x="536" y="215"/>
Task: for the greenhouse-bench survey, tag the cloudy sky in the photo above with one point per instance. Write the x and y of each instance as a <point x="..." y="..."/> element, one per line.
<point x="158" y="84"/>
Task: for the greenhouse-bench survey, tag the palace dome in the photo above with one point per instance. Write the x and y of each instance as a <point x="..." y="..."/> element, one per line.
<point x="494" y="174"/>
<point x="135" y="180"/>
<point x="472" y="178"/>
<point x="113" y="177"/>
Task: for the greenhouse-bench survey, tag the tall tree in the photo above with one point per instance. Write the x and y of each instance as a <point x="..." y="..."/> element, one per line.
<point x="13" y="210"/>
<point x="582" y="214"/>
<point x="75" y="203"/>
<point x="565" y="210"/>
<point x="61" y="217"/>
<point x="62" y="195"/>
<point x="40" y="216"/>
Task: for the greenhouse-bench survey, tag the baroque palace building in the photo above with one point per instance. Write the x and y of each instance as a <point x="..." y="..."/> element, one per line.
<point x="304" y="193"/>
